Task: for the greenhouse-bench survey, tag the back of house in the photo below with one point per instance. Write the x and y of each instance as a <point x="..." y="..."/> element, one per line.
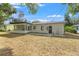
<point x="54" y="28"/>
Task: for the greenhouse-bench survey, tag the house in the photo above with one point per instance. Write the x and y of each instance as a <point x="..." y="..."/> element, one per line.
<point x="77" y="27"/>
<point x="2" y="27"/>
<point x="54" y="28"/>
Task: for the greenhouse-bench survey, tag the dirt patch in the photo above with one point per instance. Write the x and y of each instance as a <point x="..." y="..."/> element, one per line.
<point x="25" y="45"/>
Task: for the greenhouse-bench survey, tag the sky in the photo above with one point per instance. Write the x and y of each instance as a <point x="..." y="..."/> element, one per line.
<point x="47" y="12"/>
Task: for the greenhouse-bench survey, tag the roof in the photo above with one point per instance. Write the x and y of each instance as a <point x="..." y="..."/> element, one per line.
<point x="20" y="23"/>
<point x="76" y="25"/>
<point x="49" y="23"/>
<point x="37" y="23"/>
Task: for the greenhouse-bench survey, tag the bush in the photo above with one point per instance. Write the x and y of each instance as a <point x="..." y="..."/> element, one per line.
<point x="1" y="30"/>
<point x="70" y="29"/>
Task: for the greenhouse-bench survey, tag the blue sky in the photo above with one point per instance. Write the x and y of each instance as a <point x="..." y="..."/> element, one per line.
<point x="46" y="12"/>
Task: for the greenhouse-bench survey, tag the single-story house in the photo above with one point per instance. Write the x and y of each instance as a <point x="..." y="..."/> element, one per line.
<point x="2" y="27"/>
<point x="54" y="28"/>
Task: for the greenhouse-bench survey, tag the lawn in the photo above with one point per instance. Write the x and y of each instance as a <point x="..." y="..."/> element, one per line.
<point x="26" y="44"/>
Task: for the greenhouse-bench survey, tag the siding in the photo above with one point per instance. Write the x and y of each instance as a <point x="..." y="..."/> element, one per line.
<point x="57" y="29"/>
<point x="38" y="29"/>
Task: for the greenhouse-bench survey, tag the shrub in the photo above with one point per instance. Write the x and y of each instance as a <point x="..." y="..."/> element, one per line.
<point x="1" y="30"/>
<point x="70" y="29"/>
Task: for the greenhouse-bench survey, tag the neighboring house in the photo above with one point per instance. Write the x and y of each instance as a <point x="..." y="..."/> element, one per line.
<point x="77" y="27"/>
<point x="6" y="27"/>
<point x="9" y="27"/>
<point x="54" y="28"/>
<point x="2" y="27"/>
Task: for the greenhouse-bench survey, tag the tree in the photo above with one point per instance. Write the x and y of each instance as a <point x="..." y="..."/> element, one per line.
<point x="6" y="10"/>
<point x="73" y="8"/>
<point x="20" y="18"/>
<point x="75" y="20"/>
<point x="68" y="20"/>
<point x="32" y="7"/>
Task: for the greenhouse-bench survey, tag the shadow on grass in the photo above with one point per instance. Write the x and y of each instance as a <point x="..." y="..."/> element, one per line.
<point x="11" y="35"/>
<point x="6" y="52"/>
<point x="65" y="36"/>
<point x="69" y="36"/>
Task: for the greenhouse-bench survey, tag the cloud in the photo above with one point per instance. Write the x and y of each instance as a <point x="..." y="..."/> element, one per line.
<point x="41" y="5"/>
<point x="43" y="20"/>
<point x="15" y="6"/>
<point x="70" y="15"/>
<point x="15" y="3"/>
<point x="54" y="16"/>
<point x="40" y="20"/>
<point x="15" y="15"/>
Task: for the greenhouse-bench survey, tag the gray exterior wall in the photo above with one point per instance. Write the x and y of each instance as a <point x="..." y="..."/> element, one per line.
<point x="57" y="28"/>
<point x="77" y="28"/>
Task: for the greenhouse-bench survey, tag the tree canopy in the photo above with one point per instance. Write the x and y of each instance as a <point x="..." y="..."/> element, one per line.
<point x="32" y="7"/>
<point x="6" y="10"/>
<point x="73" y="8"/>
<point x="68" y="20"/>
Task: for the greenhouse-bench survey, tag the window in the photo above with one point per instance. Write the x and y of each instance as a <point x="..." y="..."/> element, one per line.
<point x="19" y="27"/>
<point x="29" y="27"/>
<point x="26" y="27"/>
<point x="14" y="27"/>
<point x="77" y="27"/>
<point x="42" y="28"/>
<point x="47" y="28"/>
<point x="34" y="27"/>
